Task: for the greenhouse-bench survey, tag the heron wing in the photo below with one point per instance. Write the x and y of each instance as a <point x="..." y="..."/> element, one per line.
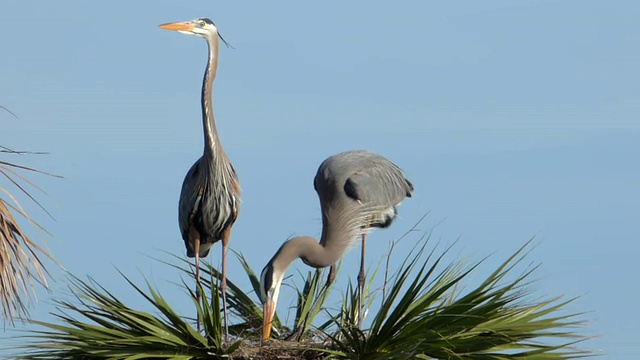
<point x="190" y="200"/>
<point x="379" y="183"/>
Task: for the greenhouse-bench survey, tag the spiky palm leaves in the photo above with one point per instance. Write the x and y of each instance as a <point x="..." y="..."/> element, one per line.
<point x="99" y="326"/>
<point x="20" y="263"/>
<point x="422" y="315"/>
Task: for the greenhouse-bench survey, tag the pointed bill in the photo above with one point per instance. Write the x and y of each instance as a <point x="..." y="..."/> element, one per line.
<point x="178" y="26"/>
<point x="268" y="310"/>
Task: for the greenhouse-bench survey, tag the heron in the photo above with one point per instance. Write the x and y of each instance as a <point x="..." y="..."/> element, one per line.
<point x="210" y="196"/>
<point x="358" y="190"/>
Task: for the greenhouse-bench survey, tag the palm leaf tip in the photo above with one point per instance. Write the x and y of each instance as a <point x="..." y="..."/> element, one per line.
<point x="9" y="111"/>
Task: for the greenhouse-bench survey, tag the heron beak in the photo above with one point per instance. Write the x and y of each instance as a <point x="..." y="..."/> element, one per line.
<point x="268" y="309"/>
<point x="178" y="26"/>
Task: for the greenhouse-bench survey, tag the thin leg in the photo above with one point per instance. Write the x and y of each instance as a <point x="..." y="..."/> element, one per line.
<point x="225" y="244"/>
<point x="332" y="275"/>
<point x="361" y="278"/>
<point x="197" y="253"/>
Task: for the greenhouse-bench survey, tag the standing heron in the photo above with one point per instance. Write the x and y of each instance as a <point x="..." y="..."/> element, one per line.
<point x="358" y="190"/>
<point x="210" y="196"/>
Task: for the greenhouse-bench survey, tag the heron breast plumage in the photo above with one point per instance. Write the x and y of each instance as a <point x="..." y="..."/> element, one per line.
<point x="208" y="205"/>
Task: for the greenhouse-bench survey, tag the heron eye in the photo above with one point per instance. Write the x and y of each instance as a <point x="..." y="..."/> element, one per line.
<point x="201" y="24"/>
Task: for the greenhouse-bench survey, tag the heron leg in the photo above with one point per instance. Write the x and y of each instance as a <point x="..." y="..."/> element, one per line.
<point x="361" y="278"/>
<point x="196" y="247"/>
<point x="332" y="275"/>
<point x="225" y="244"/>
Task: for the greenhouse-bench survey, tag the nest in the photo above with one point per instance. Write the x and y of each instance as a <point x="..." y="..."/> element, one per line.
<point x="276" y="349"/>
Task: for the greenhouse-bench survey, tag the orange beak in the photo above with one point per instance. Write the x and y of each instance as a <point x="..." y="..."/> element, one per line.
<point x="268" y="309"/>
<point x="178" y="26"/>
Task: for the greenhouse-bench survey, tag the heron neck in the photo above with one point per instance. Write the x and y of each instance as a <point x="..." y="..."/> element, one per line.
<point x="211" y="140"/>
<point x="335" y="241"/>
<point x="304" y="247"/>
<point x="341" y="229"/>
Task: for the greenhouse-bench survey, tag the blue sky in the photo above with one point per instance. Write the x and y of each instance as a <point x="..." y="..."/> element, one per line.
<point x="513" y="120"/>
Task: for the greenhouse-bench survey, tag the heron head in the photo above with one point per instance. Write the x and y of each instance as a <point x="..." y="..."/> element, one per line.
<point x="202" y="27"/>
<point x="270" y="281"/>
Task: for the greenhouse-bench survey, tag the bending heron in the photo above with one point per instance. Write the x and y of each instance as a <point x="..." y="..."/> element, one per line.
<point x="358" y="190"/>
<point x="210" y="196"/>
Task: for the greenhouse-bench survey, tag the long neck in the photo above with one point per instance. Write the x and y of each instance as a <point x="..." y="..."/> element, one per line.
<point x="211" y="140"/>
<point x="304" y="247"/>
<point x="340" y="230"/>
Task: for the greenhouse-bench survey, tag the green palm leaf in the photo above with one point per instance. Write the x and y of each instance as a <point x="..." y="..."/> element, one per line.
<point x="422" y="315"/>
<point x="240" y="304"/>
<point x="102" y="327"/>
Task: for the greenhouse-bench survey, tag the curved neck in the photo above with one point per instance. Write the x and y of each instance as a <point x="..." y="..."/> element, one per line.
<point x="211" y="141"/>
<point x="339" y="233"/>
<point x="305" y="248"/>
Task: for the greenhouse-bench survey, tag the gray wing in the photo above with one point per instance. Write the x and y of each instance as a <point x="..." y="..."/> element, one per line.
<point x="190" y="199"/>
<point x="378" y="182"/>
<point x="366" y="177"/>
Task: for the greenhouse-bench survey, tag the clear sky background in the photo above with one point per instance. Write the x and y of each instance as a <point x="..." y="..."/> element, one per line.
<point x="512" y="119"/>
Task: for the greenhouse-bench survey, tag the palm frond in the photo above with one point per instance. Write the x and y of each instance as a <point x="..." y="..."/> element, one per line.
<point x="310" y="302"/>
<point x="422" y="317"/>
<point x="240" y="304"/>
<point x="99" y="326"/>
<point x="21" y="265"/>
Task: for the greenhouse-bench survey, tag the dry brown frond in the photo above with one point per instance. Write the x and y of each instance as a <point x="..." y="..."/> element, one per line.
<point x="20" y="257"/>
<point x="20" y="263"/>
